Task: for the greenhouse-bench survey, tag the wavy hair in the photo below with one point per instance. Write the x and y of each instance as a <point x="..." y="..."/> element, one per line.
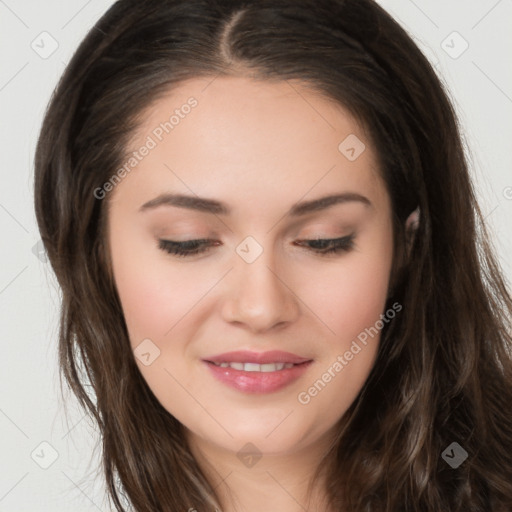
<point x="443" y="372"/>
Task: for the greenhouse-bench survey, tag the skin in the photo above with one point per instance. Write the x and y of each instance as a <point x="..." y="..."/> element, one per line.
<point x="283" y="149"/>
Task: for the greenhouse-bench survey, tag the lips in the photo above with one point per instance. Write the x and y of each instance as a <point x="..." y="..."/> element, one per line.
<point x="257" y="372"/>
<point x="246" y="356"/>
<point x="258" y="381"/>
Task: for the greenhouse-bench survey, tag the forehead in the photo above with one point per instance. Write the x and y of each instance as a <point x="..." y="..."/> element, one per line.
<point x="228" y="136"/>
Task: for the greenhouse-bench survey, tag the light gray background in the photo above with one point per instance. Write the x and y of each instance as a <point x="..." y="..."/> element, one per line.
<point x="480" y="84"/>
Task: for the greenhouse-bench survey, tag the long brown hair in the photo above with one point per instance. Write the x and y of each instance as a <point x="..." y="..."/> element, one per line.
<point x="443" y="372"/>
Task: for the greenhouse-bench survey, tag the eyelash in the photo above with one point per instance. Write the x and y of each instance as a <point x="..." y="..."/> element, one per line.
<point x="193" y="247"/>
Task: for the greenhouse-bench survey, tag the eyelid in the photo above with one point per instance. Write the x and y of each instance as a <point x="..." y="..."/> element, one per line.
<point x="192" y="247"/>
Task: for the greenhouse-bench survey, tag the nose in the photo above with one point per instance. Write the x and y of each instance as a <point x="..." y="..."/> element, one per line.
<point x="258" y="296"/>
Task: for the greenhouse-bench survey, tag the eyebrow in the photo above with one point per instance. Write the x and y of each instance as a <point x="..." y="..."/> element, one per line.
<point x="213" y="206"/>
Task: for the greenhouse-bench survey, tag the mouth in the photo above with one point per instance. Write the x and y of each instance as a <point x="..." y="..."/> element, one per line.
<point x="249" y="377"/>
<point x="255" y="367"/>
<point x="247" y="357"/>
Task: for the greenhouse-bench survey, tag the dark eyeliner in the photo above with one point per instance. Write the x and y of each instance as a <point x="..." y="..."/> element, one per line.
<point x="330" y="245"/>
<point x="186" y="248"/>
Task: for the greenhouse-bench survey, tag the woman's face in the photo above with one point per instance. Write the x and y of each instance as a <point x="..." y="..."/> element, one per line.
<point x="253" y="158"/>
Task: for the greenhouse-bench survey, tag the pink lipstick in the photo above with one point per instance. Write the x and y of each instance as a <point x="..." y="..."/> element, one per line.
<point x="257" y="372"/>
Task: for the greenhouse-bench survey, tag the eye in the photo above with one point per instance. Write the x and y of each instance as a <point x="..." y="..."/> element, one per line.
<point x="330" y="245"/>
<point x="320" y="246"/>
<point x="187" y="248"/>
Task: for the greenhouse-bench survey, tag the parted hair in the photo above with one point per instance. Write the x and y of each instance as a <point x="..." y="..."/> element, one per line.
<point x="443" y="372"/>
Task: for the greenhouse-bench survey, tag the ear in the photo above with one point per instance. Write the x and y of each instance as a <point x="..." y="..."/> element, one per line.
<point x="411" y="225"/>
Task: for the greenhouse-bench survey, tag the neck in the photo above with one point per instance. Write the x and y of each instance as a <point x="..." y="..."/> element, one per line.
<point x="251" y="482"/>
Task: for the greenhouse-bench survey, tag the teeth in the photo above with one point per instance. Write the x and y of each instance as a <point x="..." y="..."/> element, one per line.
<point x="254" y="367"/>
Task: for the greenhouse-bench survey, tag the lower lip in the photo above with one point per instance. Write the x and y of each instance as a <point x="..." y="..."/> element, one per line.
<point x="258" y="382"/>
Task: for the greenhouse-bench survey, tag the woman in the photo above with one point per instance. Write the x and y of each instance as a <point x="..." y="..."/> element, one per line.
<point x="275" y="274"/>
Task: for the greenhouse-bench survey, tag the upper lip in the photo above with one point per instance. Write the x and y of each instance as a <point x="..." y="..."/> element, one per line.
<point x="246" y="356"/>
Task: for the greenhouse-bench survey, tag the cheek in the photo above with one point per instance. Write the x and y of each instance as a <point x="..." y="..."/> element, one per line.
<point x="143" y="290"/>
<point x="351" y="296"/>
<point x="352" y="308"/>
<point x="154" y="302"/>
